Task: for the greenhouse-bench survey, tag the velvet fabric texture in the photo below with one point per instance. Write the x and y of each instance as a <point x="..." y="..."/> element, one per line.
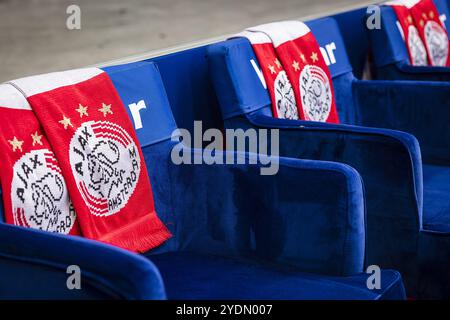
<point x="389" y="161"/>
<point x="241" y="278"/>
<point x="273" y="236"/>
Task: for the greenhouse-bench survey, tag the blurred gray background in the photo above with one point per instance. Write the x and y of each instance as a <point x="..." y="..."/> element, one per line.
<point x="34" y="37"/>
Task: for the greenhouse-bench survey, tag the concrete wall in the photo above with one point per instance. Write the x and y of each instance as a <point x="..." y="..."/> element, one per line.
<point x="34" y="38"/>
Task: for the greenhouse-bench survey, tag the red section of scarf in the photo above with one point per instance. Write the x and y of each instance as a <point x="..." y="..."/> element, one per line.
<point x="280" y="89"/>
<point x="102" y="162"/>
<point x="34" y="190"/>
<point x="310" y="78"/>
<point x="432" y="32"/>
<point x="416" y="49"/>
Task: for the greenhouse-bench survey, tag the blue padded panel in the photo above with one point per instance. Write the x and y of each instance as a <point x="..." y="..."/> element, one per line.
<point x="191" y="94"/>
<point x="236" y="82"/>
<point x="343" y="92"/>
<point x="142" y="81"/>
<point x="443" y="9"/>
<point x="326" y="31"/>
<point x="387" y="43"/>
<point x="356" y="39"/>
<point x="157" y="159"/>
<point x="213" y="277"/>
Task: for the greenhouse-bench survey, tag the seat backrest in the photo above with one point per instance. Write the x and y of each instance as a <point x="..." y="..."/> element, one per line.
<point x="237" y="75"/>
<point x="142" y="91"/>
<point x="355" y="37"/>
<point x="387" y="44"/>
<point x="191" y="94"/>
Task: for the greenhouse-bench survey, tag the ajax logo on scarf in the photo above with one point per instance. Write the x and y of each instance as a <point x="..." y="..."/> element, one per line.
<point x="437" y="43"/>
<point x="284" y="97"/>
<point x="38" y="192"/>
<point x="416" y="47"/>
<point x="315" y="93"/>
<point x="106" y="165"/>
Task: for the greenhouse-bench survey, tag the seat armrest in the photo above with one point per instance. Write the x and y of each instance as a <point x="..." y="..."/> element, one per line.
<point x="309" y="215"/>
<point x="385" y="157"/>
<point x="390" y="165"/>
<point x="34" y="265"/>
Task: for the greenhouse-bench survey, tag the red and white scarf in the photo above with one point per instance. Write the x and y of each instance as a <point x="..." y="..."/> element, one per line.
<point x="301" y="58"/>
<point x="277" y="83"/>
<point x="416" y="49"/>
<point x="432" y="31"/>
<point x="34" y="189"/>
<point x="430" y="28"/>
<point x="96" y="146"/>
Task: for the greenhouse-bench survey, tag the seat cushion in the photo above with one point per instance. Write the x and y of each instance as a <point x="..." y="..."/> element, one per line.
<point x="194" y="276"/>
<point x="436" y="202"/>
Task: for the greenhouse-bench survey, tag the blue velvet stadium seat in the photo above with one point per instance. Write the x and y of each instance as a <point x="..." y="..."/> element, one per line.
<point x="271" y="243"/>
<point x="404" y="230"/>
<point x="390" y="55"/>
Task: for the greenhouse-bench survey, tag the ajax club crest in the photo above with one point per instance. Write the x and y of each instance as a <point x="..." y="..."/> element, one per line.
<point x="315" y="93"/>
<point x="39" y="194"/>
<point x="437" y="43"/>
<point x="284" y="97"/>
<point x="106" y="165"/>
<point x="416" y="47"/>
